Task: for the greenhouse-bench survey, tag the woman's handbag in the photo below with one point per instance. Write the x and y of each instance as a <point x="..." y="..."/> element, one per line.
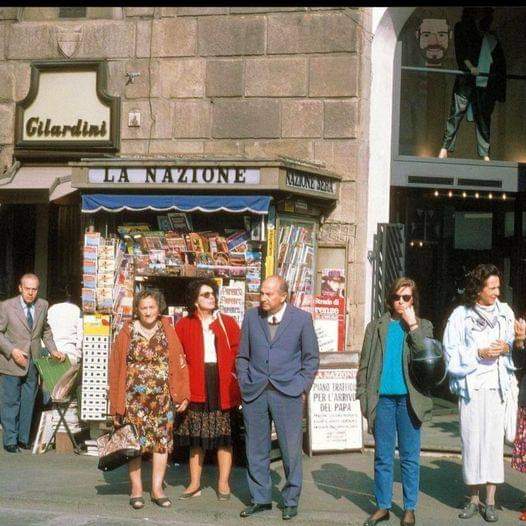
<point x="118" y="447"/>
<point x="510" y="412"/>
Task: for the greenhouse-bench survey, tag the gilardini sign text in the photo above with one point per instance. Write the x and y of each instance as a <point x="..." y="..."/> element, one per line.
<point x="46" y="128"/>
<point x="173" y="175"/>
<point x="306" y="181"/>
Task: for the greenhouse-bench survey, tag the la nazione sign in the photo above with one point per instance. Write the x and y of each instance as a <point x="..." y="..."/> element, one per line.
<point x="174" y="175"/>
<point x="67" y="109"/>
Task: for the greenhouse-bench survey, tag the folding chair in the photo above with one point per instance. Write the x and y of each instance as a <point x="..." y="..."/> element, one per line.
<point x="51" y="372"/>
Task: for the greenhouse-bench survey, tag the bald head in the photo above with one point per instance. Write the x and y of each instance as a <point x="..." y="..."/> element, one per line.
<point x="28" y="287"/>
<point x="274" y="292"/>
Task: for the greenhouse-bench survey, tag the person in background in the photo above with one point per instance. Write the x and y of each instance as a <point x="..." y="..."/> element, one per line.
<point x="23" y="322"/>
<point x="392" y="405"/>
<point x="65" y="320"/>
<point x="210" y="341"/>
<point x="148" y="379"/>
<point x="518" y="460"/>
<point x="477" y="343"/>
<point x="277" y="361"/>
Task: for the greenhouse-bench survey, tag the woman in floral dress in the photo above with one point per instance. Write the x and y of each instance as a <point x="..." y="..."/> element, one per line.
<point x="149" y="381"/>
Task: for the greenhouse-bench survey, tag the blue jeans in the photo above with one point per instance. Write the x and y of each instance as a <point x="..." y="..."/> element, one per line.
<point x="394" y="417"/>
<point x="18" y="400"/>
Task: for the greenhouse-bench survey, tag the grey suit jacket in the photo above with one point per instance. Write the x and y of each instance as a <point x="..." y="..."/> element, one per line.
<point x="289" y="361"/>
<point x="15" y="333"/>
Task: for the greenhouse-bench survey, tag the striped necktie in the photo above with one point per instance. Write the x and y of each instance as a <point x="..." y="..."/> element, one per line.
<point x="29" y="316"/>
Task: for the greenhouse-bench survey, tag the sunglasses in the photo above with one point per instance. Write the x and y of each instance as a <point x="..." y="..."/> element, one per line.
<point x="207" y="294"/>
<point x="398" y="297"/>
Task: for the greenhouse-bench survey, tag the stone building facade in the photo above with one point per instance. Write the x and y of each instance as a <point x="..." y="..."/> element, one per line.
<point x="222" y="81"/>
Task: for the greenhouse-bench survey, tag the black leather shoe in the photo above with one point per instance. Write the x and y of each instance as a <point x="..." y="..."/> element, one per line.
<point x="12" y="448"/>
<point x="376" y="517"/>
<point x="255" y="508"/>
<point x="23" y="445"/>
<point x="289" y="512"/>
<point x="408" y="518"/>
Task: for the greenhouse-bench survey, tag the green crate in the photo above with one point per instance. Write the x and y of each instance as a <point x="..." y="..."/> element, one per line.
<point x="51" y="370"/>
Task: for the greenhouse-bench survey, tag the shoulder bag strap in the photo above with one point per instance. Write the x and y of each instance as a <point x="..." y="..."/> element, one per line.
<point x="220" y="318"/>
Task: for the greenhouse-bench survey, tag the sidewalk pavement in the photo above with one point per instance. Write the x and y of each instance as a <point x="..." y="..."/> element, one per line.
<point x="66" y="489"/>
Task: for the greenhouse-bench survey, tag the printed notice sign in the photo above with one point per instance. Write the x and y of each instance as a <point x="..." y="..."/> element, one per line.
<point x="335" y="420"/>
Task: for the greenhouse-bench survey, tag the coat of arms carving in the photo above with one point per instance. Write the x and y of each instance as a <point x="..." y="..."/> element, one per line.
<point x="68" y="40"/>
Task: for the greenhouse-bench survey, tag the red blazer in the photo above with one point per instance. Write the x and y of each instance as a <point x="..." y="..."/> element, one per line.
<point x="177" y="368"/>
<point x="190" y="332"/>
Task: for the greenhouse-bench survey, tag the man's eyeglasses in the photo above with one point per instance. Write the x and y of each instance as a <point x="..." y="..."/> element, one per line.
<point x="207" y="294"/>
<point x="398" y="297"/>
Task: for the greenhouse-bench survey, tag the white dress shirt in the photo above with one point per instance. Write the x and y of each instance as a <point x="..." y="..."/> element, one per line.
<point x="31" y="309"/>
<point x="276" y="318"/>
<point x="66" y="325"/>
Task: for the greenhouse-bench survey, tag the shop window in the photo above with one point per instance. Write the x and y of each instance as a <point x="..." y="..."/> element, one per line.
<point x="509" y="224"/>
<point x="27" y="14"/>
<point x="72" y="12"/>
<point x="429" y="77"/>
<point x="473" y="230"/>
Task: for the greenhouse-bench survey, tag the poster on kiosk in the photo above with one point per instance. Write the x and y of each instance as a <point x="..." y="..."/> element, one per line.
<point x="335" y="420"/>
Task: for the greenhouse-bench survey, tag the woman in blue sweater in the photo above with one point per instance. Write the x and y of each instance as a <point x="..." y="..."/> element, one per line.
<point x="389" y="400"/>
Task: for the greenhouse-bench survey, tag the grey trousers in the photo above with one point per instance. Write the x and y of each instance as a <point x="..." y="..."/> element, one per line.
<point x="286" y="412"/>
<point x="482" y="106"/>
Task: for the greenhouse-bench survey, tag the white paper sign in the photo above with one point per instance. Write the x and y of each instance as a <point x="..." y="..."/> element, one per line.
<point x="232" y="302"/>
<point x="335" y="420"/>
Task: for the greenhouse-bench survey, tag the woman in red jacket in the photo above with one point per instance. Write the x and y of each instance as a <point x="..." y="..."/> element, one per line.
<point x="210" y="341"/>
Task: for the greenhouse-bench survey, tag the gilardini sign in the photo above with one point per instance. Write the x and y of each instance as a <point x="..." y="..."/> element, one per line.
<point x="67" y="110"/>
<point x="174" y="175"/>
<point x="39" y="128"/>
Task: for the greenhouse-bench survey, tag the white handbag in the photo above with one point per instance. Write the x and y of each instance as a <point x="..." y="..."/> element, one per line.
<point x="510" y="412"/>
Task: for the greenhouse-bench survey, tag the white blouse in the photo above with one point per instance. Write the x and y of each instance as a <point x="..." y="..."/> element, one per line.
<point x="210" y="342"/>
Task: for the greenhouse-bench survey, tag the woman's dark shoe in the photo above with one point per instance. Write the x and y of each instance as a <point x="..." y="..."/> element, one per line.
<point x="490" y="514"/>
<point x="376" y="517"/>
<point x="255" y="508"/>
<point x="223" y="496"/>
<point x="190" y="494"/>
<point x="163" y="502"/>
<point x="137" y="503"/>
<point x="408" y="518"/>
<point x="468" y="511"/>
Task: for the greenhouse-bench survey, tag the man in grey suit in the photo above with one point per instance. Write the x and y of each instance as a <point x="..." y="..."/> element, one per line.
<point x="23" y="322"/>
<point x="277" y="360"/>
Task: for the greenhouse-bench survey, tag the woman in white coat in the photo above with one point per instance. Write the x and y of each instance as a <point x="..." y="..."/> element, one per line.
<point x="478" y="338"/>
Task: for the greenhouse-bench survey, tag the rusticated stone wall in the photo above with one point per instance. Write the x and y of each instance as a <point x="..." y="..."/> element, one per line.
<point x="258" y="82"/>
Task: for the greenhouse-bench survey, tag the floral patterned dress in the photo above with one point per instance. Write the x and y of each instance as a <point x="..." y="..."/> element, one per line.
<point x="148" y="402"/>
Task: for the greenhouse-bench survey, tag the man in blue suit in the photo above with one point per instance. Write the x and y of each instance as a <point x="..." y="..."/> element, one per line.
<point x="277" y="360"/>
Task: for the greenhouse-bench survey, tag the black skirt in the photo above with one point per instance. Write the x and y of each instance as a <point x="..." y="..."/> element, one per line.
<point x="204" y="424"/>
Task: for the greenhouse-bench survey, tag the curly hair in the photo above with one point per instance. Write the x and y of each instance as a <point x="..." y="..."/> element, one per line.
<point x="476" y="281"/>
<point x="192" y="292"/>
<point x="156" y="294"/>
<point x="399" y="284"/>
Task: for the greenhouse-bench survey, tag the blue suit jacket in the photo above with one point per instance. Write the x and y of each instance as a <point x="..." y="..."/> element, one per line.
<point x="289" y="362"/>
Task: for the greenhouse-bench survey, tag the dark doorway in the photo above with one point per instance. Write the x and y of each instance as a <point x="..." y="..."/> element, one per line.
<point x="17" y="239"/>
<point x="448" y="236"/>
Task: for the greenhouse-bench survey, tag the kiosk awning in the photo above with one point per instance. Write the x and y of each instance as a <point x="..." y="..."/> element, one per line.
<point x="36" y="183"/>
<point x="254" y="204"/>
